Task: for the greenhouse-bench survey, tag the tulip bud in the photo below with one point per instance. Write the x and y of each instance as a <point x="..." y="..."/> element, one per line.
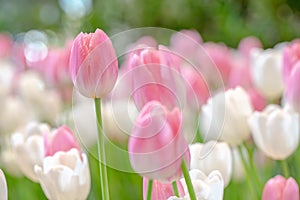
<point x="65" y="175"/>
<point x="61" y="139"/>
<point x="224" y="117"/>
<point x="291" y="55"/>
<point x="266" y="72"/>
<point x="275" y="126"/>
<point x="29" y="147"/>
<point x="212" y="156"/>
<point x="93" y="64"/>
<point x="161" y="190"/>
<point x="157" y="145"/>
<point x="3" y="186"/>
<point x="293" y="88"/>
<point x="278" y="188"/>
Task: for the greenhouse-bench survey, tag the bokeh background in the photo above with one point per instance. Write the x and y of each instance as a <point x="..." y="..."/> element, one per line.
<point x="227" y="21"/>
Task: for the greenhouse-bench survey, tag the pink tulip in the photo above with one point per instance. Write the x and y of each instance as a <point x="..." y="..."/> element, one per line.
<point x="247" y="44"/>
<point x="240" y="74"/>
<point x="257" y="100"/>
<point x="6" y="43"/>
<point x="61" y="139"/>
<point x="155" y="76"/>
<point x="93" y="64"/>
<point x="157" y="145"/>
<point x="291" y="55"/>
<point x="161" y="191"/>
<point x="293" y="88"/>
<point x="197" y="88"/>
<point x="278" y="188"/>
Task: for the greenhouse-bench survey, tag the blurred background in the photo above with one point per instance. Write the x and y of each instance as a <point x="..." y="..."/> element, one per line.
<point x="272" y="21"/>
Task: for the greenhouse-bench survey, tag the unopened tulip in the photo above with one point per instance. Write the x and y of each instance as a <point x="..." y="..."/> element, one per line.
<point x="266" y="72"/>
<point x="157" y="145"/>
<point x="161" y="191"/>
<point x="29" y="148"/>
<point x="61" y="139"/>
<point x="93" y="64"/>
<point x="291" y="55"/>
<point x="278" y="188"/>
<point x="65" y="175"/>
<point x="275" y="131"/>
<point x="156" y="77"/>
<point x="212" y="156"/>
<point x="206" y="187"/>
<point x="3" y="186"/>
<point x="292" y="94"/>
<point x="224" y="117"/>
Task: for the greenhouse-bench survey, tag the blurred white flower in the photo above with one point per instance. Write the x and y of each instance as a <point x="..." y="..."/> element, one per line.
<point x="275" y="131"/>
<point x="225" y="115"/>
<point x="238" y="171"/>
<point x="212" y="156"/>
<point x="28" y="146"/>
<point x="3" y="186"/>
<point x="206" y="187"/>
<point x="266" y="68"/>
<point x="9" y="161"/>
<point x="65" y="175"/>
<point x="6" y="79"/>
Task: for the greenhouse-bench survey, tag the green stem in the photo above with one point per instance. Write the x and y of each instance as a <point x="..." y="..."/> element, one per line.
<point x="101" y="153"/>
<point x="198" y="137"/>
<point x="149" y="190"/>
<point x="285" y="168"/>
<point x="188" y="180"/>
<point x="175" y="188"/>
<point x="247" y="171"/>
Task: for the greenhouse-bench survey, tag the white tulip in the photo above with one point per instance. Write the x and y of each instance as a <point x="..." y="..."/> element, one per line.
<point x="9" y="161"/>
<point x="28" y="146"/>
<point x="212" y="156"/>
<point x="266" y="68"/>
<point x="238" y="171"/>
<point x="3" y="186"/>
<point x="6" y="78"/>
<point x="275" y="131"/>
<point x="65" y="175"/>
<point x="224" y="117"/>
<point x="206" y="187"/>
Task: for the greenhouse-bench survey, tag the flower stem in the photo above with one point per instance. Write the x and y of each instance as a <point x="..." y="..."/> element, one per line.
<point x="285" y="168"/>
<point x="149" y="190"/>
<point x="175" y="188"/>
<point x="247" y="171"/>
<point x="188" y="180"/>
<point x="101" y="152"/>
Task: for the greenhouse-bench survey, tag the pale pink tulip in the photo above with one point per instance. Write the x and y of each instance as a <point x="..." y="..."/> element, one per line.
<point x="196" y="87"/>
<point x="247" y="44"/>
<point x="161" y="191"/>
<point x="6" y="43"/>
<point x="61" y="139"/>
<point x="278" y="188"/>
<point x="155" y="76"/>
<point x="93" y="64"/>
<point x="157" y="145"/>
<point x="293" y="88"/>
<point x="240" y="74"/>
<point x="291" y="55"/>
<point x="257" y="100"/>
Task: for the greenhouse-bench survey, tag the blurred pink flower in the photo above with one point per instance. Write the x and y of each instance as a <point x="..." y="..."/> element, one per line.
<point x="257" y="100"/>
<point x="291" y="55"/>
<point x="278" y="188"/>
<point x="155" y="76"/>
<point x="292" y="92"/>
<point x="6" y="43"/>
<point x="93" y="64"/>
<point x="161" y="191"/>
<point x="247" y="44"/>
<point x="61" y="139"/>
<point x="157" y="145"/>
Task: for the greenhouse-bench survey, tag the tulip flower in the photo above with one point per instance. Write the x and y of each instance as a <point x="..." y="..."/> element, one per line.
<point x="266" y="72"/>
<point x="212" y="156"/>
<point x="206" y="187"/>
<point x="291" y="55"/>
<point x="278" y="188"/>
<point x="161" y="190"/>
<point x="275" y="131"/>
<point x="93" y="64"/>
<point x="6" y="43"/>
<point x="61" y="139"/>
<point x="29" y="148"/>
<point x="157" y="145"/>
<point x="247" y="44"/>
<point x="3" y="186"/>
<point x="224" y="117"/>
<point x="293" y="88"/>
<point x="156" y="77"/>
<point x="65" y="175"/>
